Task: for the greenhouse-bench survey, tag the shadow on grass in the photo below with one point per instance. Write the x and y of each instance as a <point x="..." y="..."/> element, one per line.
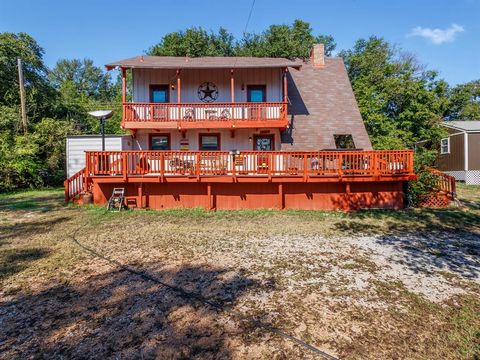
<point x="31" y="203"/>
<point x="13" y="261"/>
<point x="29" y="228"/>
<point x="121" y="315"/>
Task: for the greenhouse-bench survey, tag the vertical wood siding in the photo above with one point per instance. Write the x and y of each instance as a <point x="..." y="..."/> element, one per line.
<point x="192" y="78"/>
<point x="455" y="160"/>
<point x="474" y="151"/>
<point x="239" y="142"/>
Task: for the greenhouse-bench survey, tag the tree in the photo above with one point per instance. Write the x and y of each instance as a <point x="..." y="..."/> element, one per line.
<point x="287" y="41"/>
<point x="465" y="102"/>
<point x="194" y="42"/>
<point x="399" y="101"/>
<point x="39" y="94"/>
<point x="82" y="78"/>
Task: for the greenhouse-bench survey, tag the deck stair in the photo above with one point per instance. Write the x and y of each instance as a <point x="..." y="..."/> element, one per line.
<point x="442" y="192"/>
<point x="75" y="185"/>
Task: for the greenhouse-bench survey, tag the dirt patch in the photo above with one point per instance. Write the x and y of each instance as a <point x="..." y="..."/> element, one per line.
<point x="378" y="293"/>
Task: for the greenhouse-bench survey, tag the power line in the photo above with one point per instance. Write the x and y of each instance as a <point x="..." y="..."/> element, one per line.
<point x="249" y="17"/>
<point x="245" y="28"/>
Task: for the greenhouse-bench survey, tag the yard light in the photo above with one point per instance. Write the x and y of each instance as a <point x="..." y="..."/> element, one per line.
<point x="102" y="115"/>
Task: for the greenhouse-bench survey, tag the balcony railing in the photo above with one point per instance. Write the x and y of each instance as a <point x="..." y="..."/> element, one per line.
<point x="228" y="115"/>
<point x="336" y="164"/>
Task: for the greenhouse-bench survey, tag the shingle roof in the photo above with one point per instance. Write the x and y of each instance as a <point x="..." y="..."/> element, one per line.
<point x="322" y="104"/>
<point x="175" y="62"/>
<point x="463" y="125"/>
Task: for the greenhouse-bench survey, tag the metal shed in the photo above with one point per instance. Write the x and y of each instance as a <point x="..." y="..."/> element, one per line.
<point x="77" y="145"/>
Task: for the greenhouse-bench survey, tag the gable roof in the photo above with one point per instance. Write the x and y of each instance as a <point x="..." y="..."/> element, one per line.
<point x="181" y="62"/>
<point x="322" y="104"/>
<point x="473" y="125"/>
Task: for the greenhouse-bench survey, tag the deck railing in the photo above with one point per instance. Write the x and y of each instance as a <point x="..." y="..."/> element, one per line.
<point x="443" y="182"/>
<point x="194" y="112"/>
<point x="74" y="185"/>
<point x="249" y="163"/>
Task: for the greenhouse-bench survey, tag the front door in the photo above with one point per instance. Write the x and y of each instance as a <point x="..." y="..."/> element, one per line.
<point x="263" y="143"/>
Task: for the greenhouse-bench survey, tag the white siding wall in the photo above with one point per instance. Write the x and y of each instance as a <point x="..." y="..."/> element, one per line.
<point x="77" y="145"/>
<point x="239" y="142"/>
<point x="192" y="78"/>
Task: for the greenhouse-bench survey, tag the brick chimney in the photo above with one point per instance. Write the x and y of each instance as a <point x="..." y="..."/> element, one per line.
<point x="318" y="55"/>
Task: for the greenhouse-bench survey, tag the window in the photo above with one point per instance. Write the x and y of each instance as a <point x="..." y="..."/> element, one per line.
<point x="344" y="141"/>
<point x="159" y="94"/>
<point x="264" y="142"/>
<point x="160" y="142"/>
<point x="256" y="93"/>
<point x="445" y="146"/>
<point x="209" y="142"/>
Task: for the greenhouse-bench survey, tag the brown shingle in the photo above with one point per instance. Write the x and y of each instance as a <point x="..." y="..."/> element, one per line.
<point x="175" y="62"/>
<point x="322" y="104"/>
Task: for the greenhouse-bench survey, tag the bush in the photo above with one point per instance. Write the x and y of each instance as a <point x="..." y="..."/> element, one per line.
<point x="418" y="189"/>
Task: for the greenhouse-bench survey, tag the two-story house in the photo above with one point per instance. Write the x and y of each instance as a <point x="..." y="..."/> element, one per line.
<point x="243" y="132"/>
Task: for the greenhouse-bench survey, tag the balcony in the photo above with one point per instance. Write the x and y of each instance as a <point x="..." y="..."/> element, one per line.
<point x="204" y="115"/>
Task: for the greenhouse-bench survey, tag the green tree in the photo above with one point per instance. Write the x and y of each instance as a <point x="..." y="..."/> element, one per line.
<point x="289" y="41"/>
<point x="465" y="102"/>
<point x="39" y="94"/>
<point x="399" y="101"/>
<point x="82" y="78"/>
<point x="194" y="42"/>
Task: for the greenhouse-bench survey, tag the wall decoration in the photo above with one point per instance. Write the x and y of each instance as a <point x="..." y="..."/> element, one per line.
<point x="207" y="92"/>
<point x="184" y="144"/>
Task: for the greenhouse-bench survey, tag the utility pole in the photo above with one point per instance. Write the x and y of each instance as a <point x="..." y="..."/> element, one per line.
<point x="22" y="96"/>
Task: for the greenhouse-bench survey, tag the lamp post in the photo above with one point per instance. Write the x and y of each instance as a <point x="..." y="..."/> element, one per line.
<point x="102" y="115"/>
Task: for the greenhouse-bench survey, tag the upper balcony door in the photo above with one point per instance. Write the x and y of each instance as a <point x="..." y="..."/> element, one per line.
<point x="159" y="94"/>
<point x="257" y="94"/>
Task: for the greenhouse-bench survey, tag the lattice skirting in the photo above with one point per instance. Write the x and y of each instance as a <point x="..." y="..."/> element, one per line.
<point x="458" y="175"/>
<point x="435" y="200"/>
<point x="471" y="177"/>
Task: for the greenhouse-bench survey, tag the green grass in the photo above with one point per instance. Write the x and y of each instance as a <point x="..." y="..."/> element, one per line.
<point x="39" y="264"/>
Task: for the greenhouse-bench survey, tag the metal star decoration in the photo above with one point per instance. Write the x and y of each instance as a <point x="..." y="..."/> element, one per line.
<point x="207" y="92"/>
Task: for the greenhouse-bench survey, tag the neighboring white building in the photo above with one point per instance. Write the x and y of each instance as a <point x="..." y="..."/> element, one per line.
<point x="78" y="144"/>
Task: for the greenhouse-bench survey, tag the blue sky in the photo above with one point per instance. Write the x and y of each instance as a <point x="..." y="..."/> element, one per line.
<point x="445" y="35"/>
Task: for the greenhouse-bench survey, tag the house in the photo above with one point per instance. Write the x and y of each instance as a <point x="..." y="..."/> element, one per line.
<point x="459" y="154"/>
<point x="243" y="132"/>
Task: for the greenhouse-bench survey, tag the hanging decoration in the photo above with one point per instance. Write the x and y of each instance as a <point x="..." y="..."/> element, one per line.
<point x="207" y="92"/>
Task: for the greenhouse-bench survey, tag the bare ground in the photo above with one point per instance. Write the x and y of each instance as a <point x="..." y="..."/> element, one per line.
<point x="83" y="283"/>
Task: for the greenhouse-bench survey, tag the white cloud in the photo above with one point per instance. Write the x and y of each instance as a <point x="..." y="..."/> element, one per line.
<point x="438" y="36"/>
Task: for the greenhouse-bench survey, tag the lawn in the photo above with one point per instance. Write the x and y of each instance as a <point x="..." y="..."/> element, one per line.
<point x="78" y="282"/>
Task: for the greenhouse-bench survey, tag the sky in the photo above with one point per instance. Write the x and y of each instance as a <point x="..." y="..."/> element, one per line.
<point x="443" y="34"/>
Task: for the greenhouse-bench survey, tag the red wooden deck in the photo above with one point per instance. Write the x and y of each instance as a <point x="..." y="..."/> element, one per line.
<point x="204" y="115"/>
<point x="248" y="179"/>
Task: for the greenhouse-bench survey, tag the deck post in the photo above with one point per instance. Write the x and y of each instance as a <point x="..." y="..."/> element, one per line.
<point x="281" y="196"/>
<point x="66" y="191"/>
<point x="140" y="195"/>
<point x="375" y="165"/>
<point x="124" y="85"/>
<point x="211" y="204"/>
<point x="162" y="167"/>
<point x="285" y="94"/>
<point x="305" y="165"/>
<point x="232" y="90"/>
<point x="197" y="165"/>
<point x="125" y="166"/>
<point x="179" y="96"/>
